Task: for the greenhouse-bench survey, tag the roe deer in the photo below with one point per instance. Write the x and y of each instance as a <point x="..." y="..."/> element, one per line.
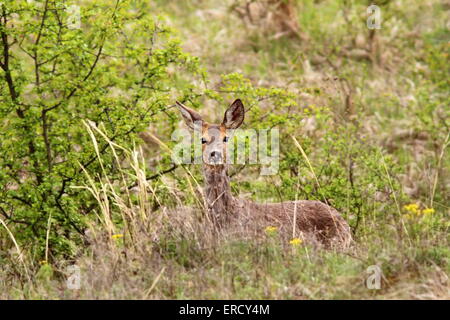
<point x="312" y="219"/>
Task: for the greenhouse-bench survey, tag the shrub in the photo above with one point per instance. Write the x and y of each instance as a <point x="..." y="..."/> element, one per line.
<point x="117" y="68"/>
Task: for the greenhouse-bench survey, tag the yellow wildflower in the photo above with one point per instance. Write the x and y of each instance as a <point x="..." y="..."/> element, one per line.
<point x="428" y="211"/>
<point x="412" y="208"/>
<point x="117" y="236"/>
<point x="296" y="242"/>
<point x="271" y="230"/>
<point x="43" y="262"/>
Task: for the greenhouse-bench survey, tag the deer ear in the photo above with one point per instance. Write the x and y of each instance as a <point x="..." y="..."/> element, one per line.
<point x="191" y="117"/>
<point x="234" y="116"/>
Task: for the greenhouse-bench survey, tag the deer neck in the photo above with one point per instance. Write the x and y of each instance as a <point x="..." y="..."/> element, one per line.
<point x="218" y="195"/>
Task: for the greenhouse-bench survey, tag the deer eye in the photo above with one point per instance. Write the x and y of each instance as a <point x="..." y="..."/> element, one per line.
<point x="225" y="139"/>
<point x="203" y="140"/>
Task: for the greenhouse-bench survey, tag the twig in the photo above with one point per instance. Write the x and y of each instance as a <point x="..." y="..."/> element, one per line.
<point x="157" y="175"/>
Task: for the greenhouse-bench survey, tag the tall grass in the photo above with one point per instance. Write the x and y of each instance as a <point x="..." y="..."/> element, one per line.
<point x="174" y="252"/>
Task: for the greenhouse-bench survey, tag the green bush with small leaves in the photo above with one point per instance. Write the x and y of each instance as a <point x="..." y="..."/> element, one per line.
<point x="118" y="67"/>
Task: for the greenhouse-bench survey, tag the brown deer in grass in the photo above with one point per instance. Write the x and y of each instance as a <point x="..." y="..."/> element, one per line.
<point x="311" y="219"/>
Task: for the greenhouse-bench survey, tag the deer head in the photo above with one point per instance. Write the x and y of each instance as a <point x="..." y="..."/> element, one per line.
<point x="214" y="137"/>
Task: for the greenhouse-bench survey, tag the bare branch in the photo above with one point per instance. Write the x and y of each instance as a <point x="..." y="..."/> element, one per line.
<point x="157" y="175"/>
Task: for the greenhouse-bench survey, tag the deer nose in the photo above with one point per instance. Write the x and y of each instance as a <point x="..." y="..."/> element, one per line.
<point x="215" y="156"/>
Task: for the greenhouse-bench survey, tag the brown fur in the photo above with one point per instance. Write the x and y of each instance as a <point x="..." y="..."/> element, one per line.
<point x="314" y="220"/>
